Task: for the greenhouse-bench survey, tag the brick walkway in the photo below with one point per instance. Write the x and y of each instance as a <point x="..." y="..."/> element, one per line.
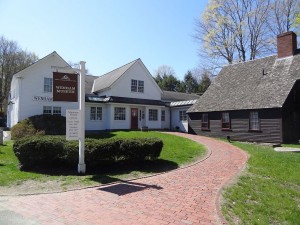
<point x="183" y="196"/>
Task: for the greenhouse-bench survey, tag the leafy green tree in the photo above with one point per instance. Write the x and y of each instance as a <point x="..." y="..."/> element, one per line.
<point x="169" y="83"/>
<point x="165" y="78"/>
<point x="181" y="87"/>
<point x="190" y="82"/>
<point x="204" y="82"/>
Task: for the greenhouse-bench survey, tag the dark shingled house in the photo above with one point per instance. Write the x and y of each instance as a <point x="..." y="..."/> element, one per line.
<point x="257" y="101"/>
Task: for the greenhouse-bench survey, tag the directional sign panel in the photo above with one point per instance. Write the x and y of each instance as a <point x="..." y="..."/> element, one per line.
<point x="73" y="124"/>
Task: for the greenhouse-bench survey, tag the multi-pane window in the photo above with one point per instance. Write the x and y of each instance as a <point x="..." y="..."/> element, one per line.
<point x="47" y="110"/>
<point x="134" y="85"/>
<point x="226" y="120"/>
<point x="205" y="122"/>
<point x="48" y="84"/>
<point x="163" y="115"/>
<point x="141" y="86"/>
<point x="120" y="113"/>
<point x="56" y="110"/>
<point x="153" y="114"/>
<point x="137" y="86"/>
<point x="254" y="121"/>
<point x="96" y="113"/>
<point x="182" y="116"/>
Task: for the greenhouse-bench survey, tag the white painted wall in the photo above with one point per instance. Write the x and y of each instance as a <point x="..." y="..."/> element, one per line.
<point x="95" y="124"/>
<point x="166" y="124"/>
<point x="175" y="119"/>
<point x="30" y="82"/>
<point x="119" y="124"/>
<point x="122" y="87"/>
<point x="153" y="124"/>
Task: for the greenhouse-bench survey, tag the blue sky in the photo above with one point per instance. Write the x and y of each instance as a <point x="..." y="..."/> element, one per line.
<point x="107" y="33"/>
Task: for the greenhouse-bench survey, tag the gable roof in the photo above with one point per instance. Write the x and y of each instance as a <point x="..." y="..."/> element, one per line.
<point x="42" y="59"/>
<point x="107" y="80"/>
<point x="257" y="84"/>
<point x="89" y="81"/>
<point x="171" y="96"/>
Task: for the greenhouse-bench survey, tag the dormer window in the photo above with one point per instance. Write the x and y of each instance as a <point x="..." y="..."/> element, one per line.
<point x="137" y="86"/>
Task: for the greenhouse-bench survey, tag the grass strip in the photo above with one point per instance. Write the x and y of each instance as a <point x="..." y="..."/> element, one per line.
<point x="268" y="192"/>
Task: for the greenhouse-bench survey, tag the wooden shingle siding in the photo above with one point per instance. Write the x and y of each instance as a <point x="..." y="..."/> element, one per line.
<point x="270" y="126"/>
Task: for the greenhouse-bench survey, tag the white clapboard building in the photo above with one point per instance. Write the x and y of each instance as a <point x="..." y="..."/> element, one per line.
<point x="123" y="99"/>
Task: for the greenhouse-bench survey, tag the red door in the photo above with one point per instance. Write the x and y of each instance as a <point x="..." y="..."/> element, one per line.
<point x="134" y="118"/>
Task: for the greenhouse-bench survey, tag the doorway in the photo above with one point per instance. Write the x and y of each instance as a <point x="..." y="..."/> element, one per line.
<point x="134" y="118"/>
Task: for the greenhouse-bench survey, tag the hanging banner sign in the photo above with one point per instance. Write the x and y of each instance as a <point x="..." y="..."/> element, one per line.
<point x="65" y="87"/>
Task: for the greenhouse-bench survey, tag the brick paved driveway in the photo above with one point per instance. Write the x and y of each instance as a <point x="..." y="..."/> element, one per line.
<point x="184" y="196"/>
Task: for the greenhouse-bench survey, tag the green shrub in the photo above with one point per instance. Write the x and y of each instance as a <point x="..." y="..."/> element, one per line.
<point x="46" y="151"/>
<point x="33" y="151"/>
<point x="39" y="125"/>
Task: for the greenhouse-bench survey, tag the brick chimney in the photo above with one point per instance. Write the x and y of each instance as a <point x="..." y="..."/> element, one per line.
<point x="286" y="44"/>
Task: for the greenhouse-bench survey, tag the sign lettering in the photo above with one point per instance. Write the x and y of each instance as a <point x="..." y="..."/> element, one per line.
<point x="42" y="98"/>
<point x="65" y="87"/>
<point x="72" y="124"/>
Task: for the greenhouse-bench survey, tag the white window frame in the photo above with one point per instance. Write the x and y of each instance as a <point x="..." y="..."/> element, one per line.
<point x="51" y="110"/>
<point x="120" y="113"/>
<point x="137" y="86"/>
<point x="48" y="83"/>
<point x="140" y="86"/>
<point x="163" y="115"/>
<point x="134" y="85"/>
<point x="153" y="114"/>
<point x="182" y="115"/>
<point x="95" y="113"/>
<point x="56" y="110"/>
<point x="47" y="110"/>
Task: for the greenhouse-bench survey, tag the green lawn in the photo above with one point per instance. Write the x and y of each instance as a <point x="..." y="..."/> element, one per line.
<point x="268" y="192"/>
<point x="176" y="152"/>
<point x="291" y="145"/>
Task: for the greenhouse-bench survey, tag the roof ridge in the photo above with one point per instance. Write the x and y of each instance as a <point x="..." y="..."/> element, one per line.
<point x="248" y="61"/>
<point x="119" y="68"/>
<point x="37" y="61"/>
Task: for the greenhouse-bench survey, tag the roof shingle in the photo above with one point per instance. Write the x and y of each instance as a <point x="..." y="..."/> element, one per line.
<point x="257" y="84"/>
<point x="171" y="96"/>
<point x="108" y="79"/>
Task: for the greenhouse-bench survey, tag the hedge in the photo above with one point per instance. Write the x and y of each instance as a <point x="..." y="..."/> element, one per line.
<point x="45" y="151"/>
<point x="39" y="125"/>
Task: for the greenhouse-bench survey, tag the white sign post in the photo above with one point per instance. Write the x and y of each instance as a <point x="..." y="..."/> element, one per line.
<point x="72" y="124"/>
<point x="81" y="164"/>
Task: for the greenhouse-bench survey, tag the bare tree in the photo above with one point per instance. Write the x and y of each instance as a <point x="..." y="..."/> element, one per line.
<point x="240" y="30"/>
<point x="283" y="15"/>
<point x="12" y="60"/>
<point x="164" y="70"/>
<point x="215" y="31"/>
